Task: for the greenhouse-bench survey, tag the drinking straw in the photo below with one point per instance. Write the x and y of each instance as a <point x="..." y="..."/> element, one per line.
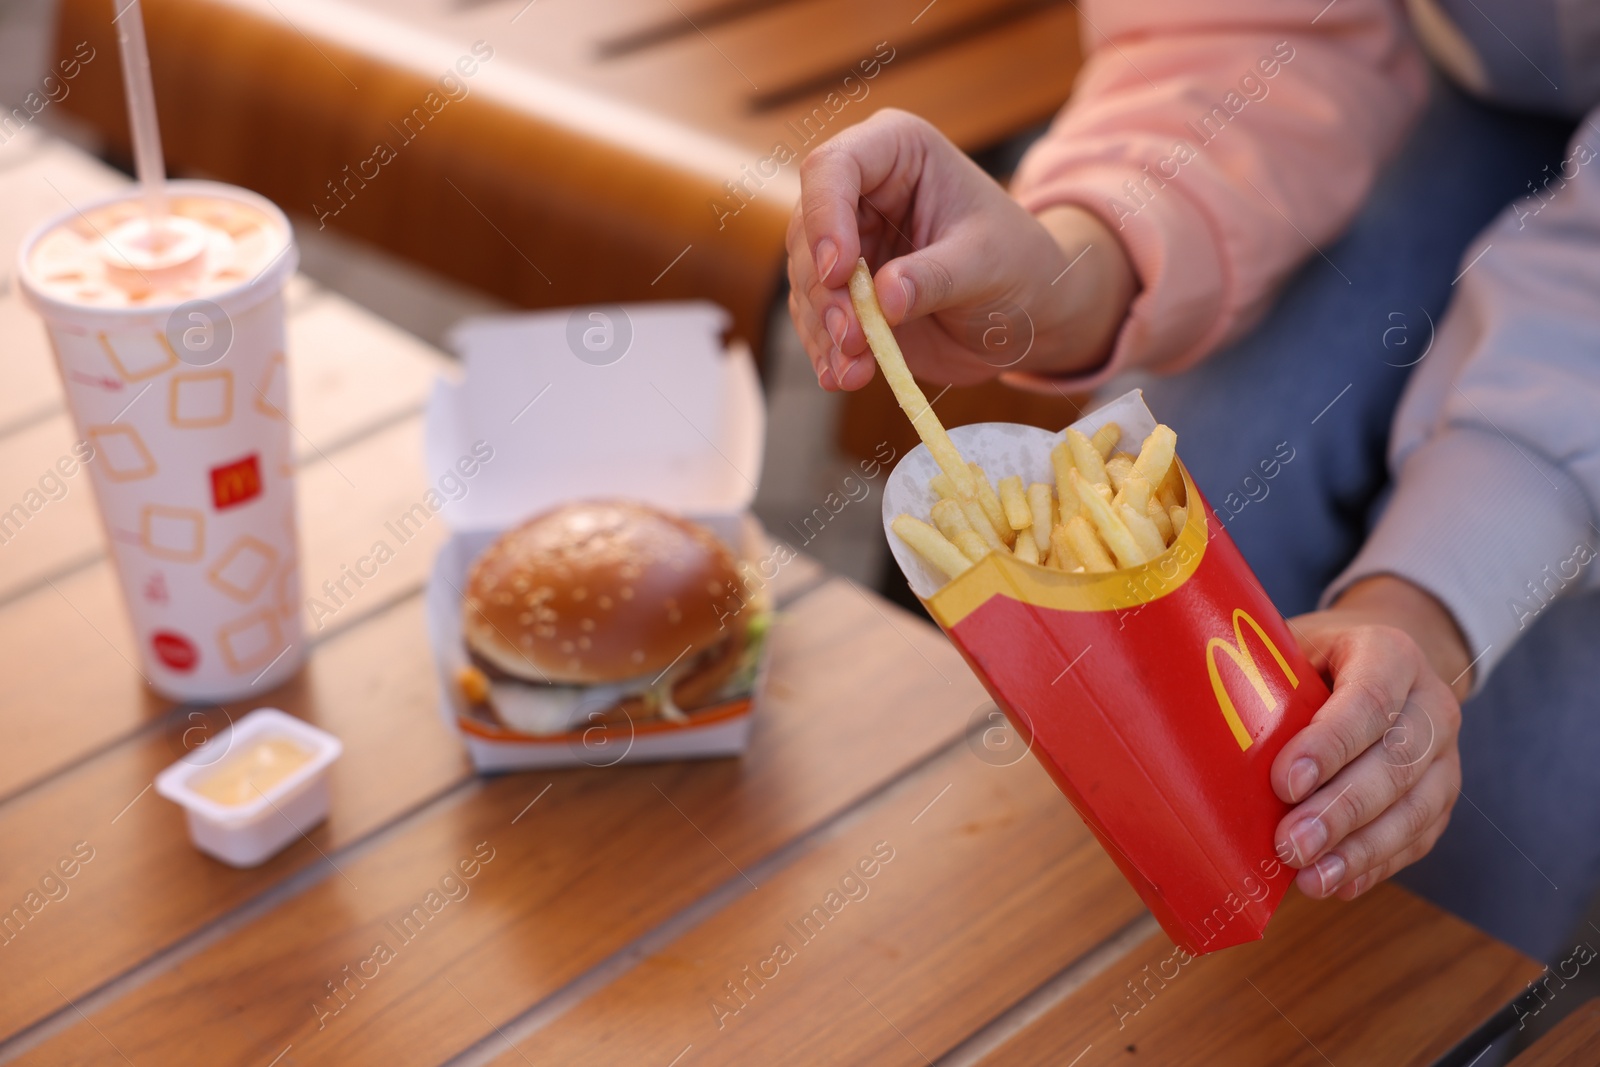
<point x="147" y="160"/>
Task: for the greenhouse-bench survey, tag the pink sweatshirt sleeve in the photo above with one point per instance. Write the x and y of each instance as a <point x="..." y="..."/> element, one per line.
<point x="1224" y="141"/>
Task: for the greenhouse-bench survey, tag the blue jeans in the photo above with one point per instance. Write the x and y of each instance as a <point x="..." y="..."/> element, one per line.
<point x="1286" y="431"/>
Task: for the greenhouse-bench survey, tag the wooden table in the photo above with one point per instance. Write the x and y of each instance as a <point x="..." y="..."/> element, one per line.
<point x="614" y="910"/>
<point x="1574" y="1042"/>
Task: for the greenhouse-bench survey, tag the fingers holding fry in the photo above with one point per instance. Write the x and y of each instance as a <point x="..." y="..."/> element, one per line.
<point x="886" y="350"/>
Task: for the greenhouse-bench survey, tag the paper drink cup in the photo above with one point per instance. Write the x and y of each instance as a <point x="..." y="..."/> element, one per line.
<point x="1156" y="696"/>
<point x="171" y="354"/>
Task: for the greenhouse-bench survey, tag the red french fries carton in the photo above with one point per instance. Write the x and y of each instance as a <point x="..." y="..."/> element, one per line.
<point x="1156" y="696"/>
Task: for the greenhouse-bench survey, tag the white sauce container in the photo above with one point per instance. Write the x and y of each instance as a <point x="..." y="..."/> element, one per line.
<point x="245" y="835"/>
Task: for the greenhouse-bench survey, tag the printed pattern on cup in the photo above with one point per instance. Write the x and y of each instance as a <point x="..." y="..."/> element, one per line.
<point x="272" y="391"/>
<point x="250" y="643"/>
<point x="244" y="569"/>
<point x="201" y="399"/>
<point x="141" y="355"/>
<point x="121" y="452"/>
<point x="176" y="534"/>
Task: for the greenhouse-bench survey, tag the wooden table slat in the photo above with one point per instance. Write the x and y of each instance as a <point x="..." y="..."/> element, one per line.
<point x="1574" y="1042"/>
<point x="603" y="843"/>
<point x="994" y="887"/>
<point x="791" y="58"/>
<point x="1384" y="979"/>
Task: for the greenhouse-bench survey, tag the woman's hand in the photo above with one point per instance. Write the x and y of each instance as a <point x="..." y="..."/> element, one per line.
<point x="975" y="285"/>
<point x="1376" y="773"/>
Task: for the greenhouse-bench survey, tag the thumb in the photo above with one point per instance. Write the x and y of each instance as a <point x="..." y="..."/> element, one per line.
<point x="921" y="283"/>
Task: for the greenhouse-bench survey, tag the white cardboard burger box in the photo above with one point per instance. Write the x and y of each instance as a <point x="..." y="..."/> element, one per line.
<point x="642" y="402"/>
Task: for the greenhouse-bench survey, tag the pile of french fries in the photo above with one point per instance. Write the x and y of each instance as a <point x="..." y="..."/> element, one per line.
<point x="1107" y="510"/>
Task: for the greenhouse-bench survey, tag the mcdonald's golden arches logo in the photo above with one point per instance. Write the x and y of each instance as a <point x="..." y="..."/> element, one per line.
<point x="1239" y="653"/>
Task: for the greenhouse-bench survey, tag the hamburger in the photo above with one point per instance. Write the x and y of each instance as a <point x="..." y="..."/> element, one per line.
<point x="600" y="611"/>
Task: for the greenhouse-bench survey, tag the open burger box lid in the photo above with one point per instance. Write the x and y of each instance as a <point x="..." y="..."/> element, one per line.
<point x="643" y="402"/>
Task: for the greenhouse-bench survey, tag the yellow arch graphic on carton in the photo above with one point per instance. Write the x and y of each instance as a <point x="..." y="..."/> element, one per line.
<point x="1241" y="657"/>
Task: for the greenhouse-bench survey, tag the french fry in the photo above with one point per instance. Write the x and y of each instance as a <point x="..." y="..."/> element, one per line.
<point x="1171" y="486"/>
<point x="1155" y="455"/>
<point x="1119" y="468"/>
<point x="1039" y="503"/>
<point x="1062" y="555"/>
<point x="1123" y="547"/>
<point x="1061" y="460"/>
<point x="1110" y="510"/>
<point x="991" y="504"/>
<point x="1106" y="438"/>
<point x="1086" y="457"/>
<point x="931" y="545"/>
<point x="980" y="524"/>
<point x="1015" y="503"/>
<point x="1082" y="540"/>
<point x="864" y="298"/>
<point x="1143" y="529"/>
<point x="972" y="546"/>
<point x="1134" y="492"/>
<point x="1163" y="521"/>
<point x="949" y="517"/>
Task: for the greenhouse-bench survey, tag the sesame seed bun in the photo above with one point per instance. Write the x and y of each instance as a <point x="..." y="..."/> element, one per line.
<point x="597" y="592"/>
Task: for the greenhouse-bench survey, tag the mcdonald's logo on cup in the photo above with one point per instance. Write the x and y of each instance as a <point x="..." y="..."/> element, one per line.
<point x="1239" y="653"/>
<point x="236" y="482"/>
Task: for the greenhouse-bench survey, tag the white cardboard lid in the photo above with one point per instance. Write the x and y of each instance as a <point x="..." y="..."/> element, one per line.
<point x="175" y="783"/>
<point x="676" y="420"/>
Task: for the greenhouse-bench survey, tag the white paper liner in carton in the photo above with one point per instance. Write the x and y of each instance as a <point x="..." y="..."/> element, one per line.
<point x="676" y="421"/>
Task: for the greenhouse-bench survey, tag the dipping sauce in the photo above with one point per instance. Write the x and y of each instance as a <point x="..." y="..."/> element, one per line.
<point x="245" y="775"/>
